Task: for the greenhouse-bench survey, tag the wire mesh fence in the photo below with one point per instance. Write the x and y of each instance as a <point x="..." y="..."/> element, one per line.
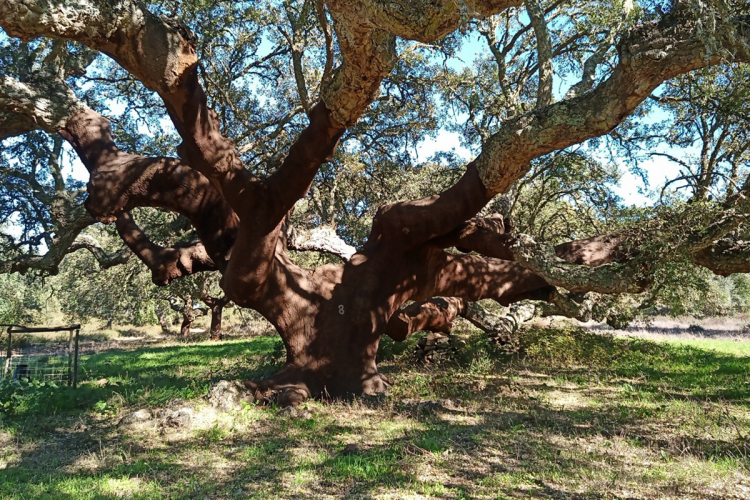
<point x="45" y="362"/>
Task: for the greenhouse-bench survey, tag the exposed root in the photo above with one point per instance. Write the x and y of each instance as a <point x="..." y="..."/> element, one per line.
<point x="283" y="390"/>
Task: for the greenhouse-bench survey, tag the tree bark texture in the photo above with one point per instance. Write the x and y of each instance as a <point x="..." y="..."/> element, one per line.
<point x="331" y="319"/>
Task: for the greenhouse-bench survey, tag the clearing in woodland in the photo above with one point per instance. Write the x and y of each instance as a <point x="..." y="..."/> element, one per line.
<point x="576" y="414"/>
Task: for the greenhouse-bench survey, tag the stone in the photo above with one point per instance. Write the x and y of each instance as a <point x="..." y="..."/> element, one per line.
<point x="141" y="415"/>
<point x="228" y="394"/>
<point x="179" y="418"/>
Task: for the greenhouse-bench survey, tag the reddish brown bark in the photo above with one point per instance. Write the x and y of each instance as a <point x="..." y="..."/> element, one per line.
<point x="331" y="319"/>
<point x="434" y="315"/>
<point x="166" y="264"/>
<point x="121" y="181"/>
<point x="216" y="306"/>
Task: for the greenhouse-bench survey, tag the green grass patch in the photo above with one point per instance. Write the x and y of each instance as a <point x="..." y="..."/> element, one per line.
<point x="574" y="415"/>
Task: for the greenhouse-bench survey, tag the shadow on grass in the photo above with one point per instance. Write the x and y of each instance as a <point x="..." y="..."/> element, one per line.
<point x="512" y="440"/>
<point x="145" y="376"/>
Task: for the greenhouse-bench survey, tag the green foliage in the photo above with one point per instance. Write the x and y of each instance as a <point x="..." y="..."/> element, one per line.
<point x="21" y="299"/>
<point x="567" y="195"/>
<point x="123" y="294"/>
<point x="678" y="368"/>
<point x="149" y="376"/>
<point x="572" y="346"/>
<point x="23" y="396"/>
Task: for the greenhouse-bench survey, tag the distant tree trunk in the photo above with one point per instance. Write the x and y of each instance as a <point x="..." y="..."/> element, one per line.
<point x="187" y="317"/>
<point x="216" y="312"/>
<point x="217" y="309"/>
<point x="161" y="317"/>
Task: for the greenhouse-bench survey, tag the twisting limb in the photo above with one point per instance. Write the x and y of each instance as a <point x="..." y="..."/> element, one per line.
<point x="158" y="51"/>
<point x="727" y="256"/>
<point x="485" y="235"/>
<point x="435" y="315"/>
<point x="609" y="277"/>
<point x="405" y="225"/>
<point x="120" y="181"/>
<point x="103" y="258"/>
<point x="42" y="103"/>
<point x="421" y="20"/>
<point x="166" y="264"/>
<point x="57" y="247"/>
<point x="368" y="56"/>
<point x="650" y="54"/>
<point x="438" y="314"/>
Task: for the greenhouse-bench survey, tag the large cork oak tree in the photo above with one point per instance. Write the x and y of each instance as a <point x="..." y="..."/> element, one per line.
<point x="332" y="318"/>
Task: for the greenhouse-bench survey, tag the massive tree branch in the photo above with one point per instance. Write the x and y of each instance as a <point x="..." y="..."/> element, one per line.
<point x="421" y="20"/>
<point x="727" y="256"/>
<point x="12" y="124"/>
<point x="60" y="245"/>
<point x="610" y="277"/>
<point x="44" y="102"/>
<point x="166" y="264"/>
<point x="368" y="55"/>
<point x="650" y="54"/>
<point x="410" y="223"/>
<point x="121" y="181"/>
<point x="158" y="51"/>
<point x="438" y="314"/>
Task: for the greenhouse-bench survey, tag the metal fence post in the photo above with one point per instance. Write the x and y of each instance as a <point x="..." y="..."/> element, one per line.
<point x="70" y="356"/>
<point x="6" y="370"/>
<point x="75" y="362"/>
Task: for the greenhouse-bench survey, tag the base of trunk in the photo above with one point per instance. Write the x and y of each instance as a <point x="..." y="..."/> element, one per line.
<point x="292" y="386"/>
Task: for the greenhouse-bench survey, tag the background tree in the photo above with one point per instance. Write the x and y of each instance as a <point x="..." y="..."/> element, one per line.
<point x="354" y="86"/>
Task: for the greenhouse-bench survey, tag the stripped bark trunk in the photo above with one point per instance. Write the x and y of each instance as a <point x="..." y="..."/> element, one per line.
<point x="331" y="319"/>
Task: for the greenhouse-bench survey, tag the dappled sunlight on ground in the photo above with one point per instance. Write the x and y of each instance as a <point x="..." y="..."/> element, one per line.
<point x="577" y="415"/>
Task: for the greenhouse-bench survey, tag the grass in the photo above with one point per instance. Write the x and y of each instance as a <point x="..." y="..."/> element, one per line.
<point x="575" y="415"/>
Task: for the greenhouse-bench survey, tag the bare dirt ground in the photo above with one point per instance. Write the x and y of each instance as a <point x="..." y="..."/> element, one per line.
<point x="681" y="328"/>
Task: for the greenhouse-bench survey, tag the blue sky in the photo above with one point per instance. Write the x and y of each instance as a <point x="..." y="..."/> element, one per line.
<point x="631" y="187"/>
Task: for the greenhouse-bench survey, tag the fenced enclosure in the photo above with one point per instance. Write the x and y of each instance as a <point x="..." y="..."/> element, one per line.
<point x="47" y="362"/>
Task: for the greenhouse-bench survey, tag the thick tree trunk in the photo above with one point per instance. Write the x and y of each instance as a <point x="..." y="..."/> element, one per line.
<point x="331" y="319"/>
